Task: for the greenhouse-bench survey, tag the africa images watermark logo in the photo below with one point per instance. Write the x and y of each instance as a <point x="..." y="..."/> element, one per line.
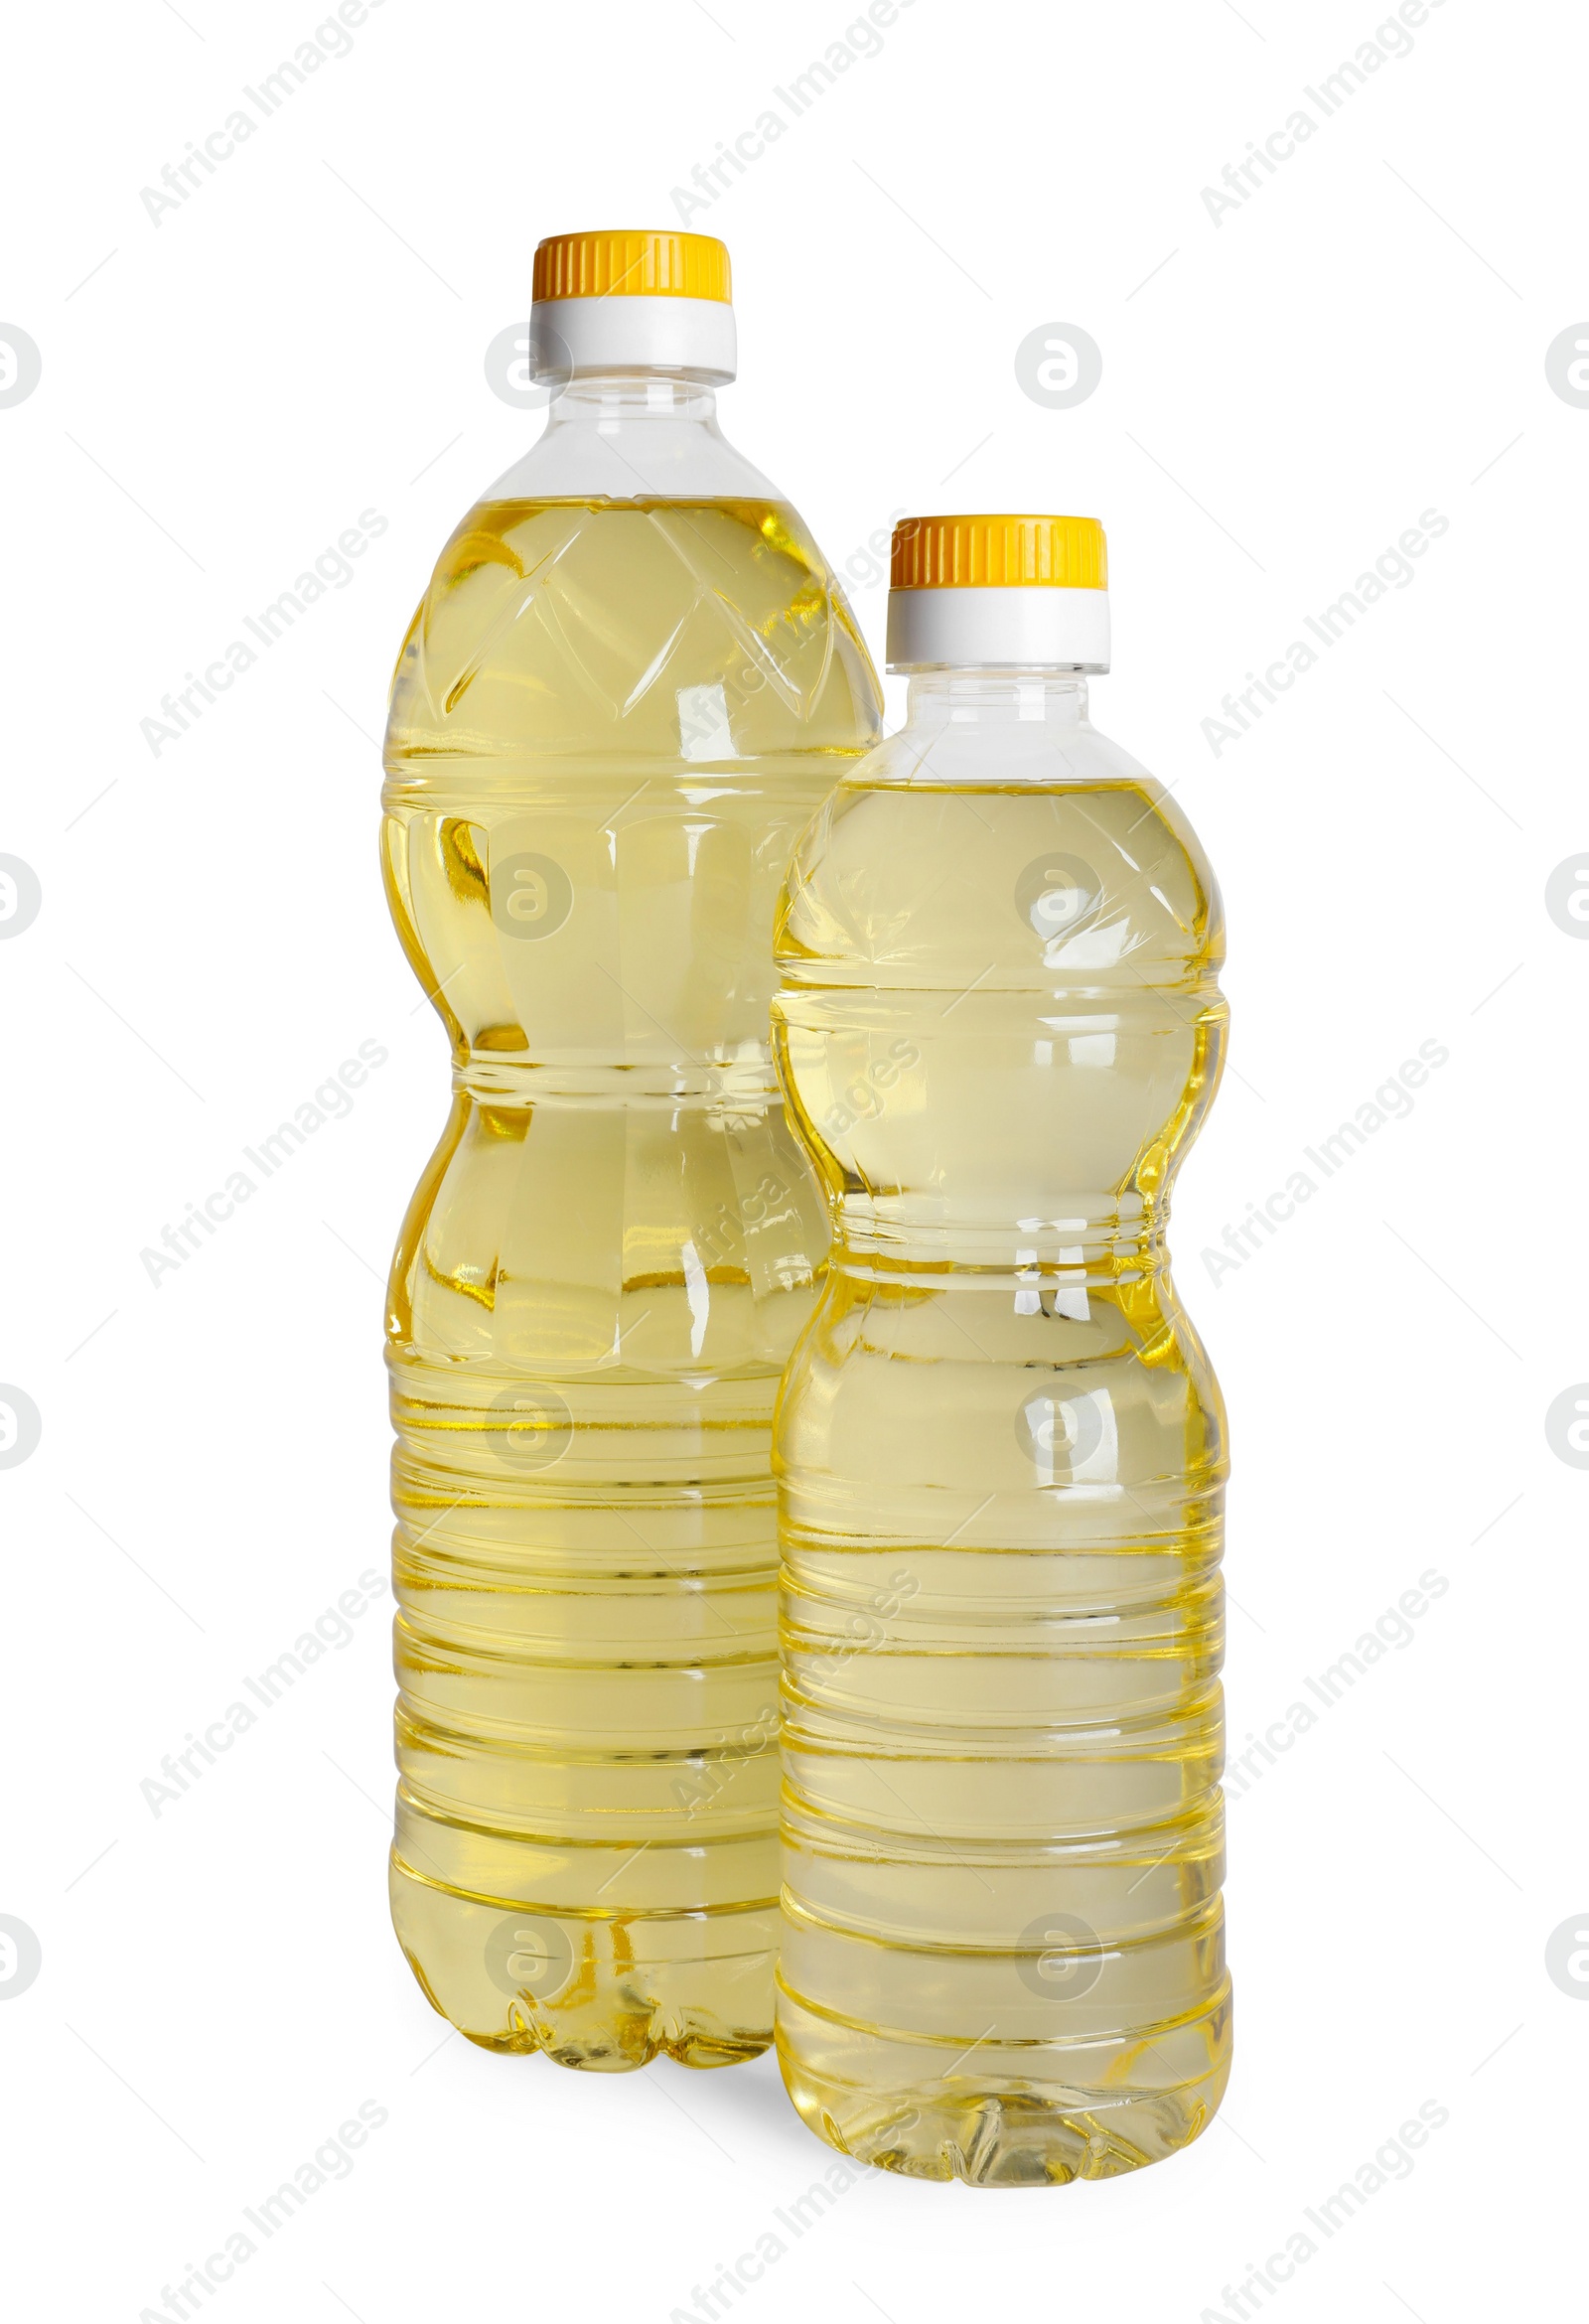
<point x="332" y="1101"/>
<point x="332" y="569"/>
<point x="860" y="41"/>
<point x="20" y="895"/>
<point x="330" y="40"/>
<point x="331" y="2160"/>
<point x="21" y="364"/>
<point x="1392" y="568"/>
<point x="21" y="1425"/>
<point x="331" y="1630"/>
<point x="1391" y="1102"/>
<point x="21" y="1957"/>
<point x="1391" y="41"/>
<point x="1393" y="2160"/>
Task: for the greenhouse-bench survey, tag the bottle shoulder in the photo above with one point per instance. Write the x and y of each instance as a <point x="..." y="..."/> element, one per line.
<point x="699" y="629"/>
<point x="1008" y="854"/>
<point x="661" y="457"/>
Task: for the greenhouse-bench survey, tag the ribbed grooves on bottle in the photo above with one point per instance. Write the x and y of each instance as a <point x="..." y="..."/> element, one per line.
<point x="586" y="1655"/>
<point x="441" y="1813"/>
<point x="1128" y="1583"/>
<point x="826" y="1630"/>
<point x="460" y="1468"/>
<point x="910" y="1241"/>
<point x="587" y="1714"/>
<point x="1135" y="1521"/>
<point x="551" y="1789"/>
<point x="452" y="1834"/>
<point x="738" y="1089"/>
<point x="924" y="1889"/>
<point x="864" y="985"/>
<point x="1003" y="1849"/>
<point x="743" y="1633"/>
<point x="670" y="1870"/>
<point x="559" y="1445"/>
<point x="591" y="1984"/>
<point x="1131" y="1994"/>
<point x="545" y="1533"/>
<point x="969" y="1698"/>
<point x="1028" y="1781"/>
<point x="1038" y="2055"/>
<point x="667" y="1917"/>
<point x="504" y="1696"/>
<point x="1149" y="1736"/>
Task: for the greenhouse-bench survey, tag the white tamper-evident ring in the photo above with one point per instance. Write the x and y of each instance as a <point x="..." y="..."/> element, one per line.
<point x="616" y="332"/>
<point x="982" y="628"/>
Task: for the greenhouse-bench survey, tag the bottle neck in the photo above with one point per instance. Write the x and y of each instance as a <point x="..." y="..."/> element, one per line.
<point x="634" y="398"/>
<point x="998" y="697"/>
<point x="634" y="434"/>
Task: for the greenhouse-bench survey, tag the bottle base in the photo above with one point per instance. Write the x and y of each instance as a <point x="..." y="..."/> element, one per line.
<point x="991" y="2128"/>
<point x="598" y="1994"/>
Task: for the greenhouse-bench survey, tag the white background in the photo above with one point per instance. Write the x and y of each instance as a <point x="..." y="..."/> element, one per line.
<point x="1284" y="392"/>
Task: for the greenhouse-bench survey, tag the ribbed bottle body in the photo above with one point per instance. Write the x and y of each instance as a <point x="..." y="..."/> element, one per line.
<point x="609" y="723"/>
<point x="1002" y="1464"/>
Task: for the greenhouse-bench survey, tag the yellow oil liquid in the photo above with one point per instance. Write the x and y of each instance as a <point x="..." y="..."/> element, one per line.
<point x="1001" y="1465"/>
<point x="609" y="721"/>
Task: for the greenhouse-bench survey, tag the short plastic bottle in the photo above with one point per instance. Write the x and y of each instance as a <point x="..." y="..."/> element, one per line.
<point x="1000" y="1448"/>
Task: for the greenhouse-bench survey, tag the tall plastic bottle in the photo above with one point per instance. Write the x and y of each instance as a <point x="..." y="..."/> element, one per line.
<point x="1000" y="1449"/>
<point x="630" y="683"/>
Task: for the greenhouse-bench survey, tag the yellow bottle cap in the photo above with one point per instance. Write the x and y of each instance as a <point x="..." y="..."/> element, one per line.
<point x="631" y="264"/>
<point x="999" y="552"/>
<point x="999" y="592"/>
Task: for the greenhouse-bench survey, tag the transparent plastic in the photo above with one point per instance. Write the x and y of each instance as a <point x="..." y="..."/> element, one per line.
<point x="1001" y="1458"/>
<point x="630" y="683"/>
